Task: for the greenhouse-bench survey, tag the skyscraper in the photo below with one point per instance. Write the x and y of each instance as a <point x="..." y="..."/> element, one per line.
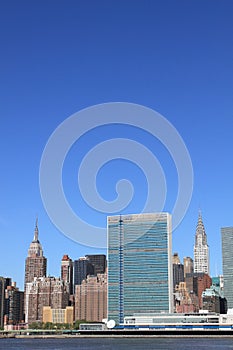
<point x="67" y="272"/>
<point x="36" y="263"/>
<point x="188" y="265"/>
<point x="178" y="270"/>
<point x="14" y="305"/>
<point x="98" y="261"/>
<point x="227" y="264"/>
<point x="4" y="283"/>
<point x="82" y="268"/>
<point x="139" y="265"/>
<point x="201" y="249"/>
<point x="35" y="266"/>
<point x="91" y="299"/>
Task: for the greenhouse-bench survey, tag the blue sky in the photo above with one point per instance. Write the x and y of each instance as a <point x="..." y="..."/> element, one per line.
<point x="57" y="57"/>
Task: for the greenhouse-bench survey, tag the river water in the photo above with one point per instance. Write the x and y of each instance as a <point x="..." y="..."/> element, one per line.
<point x="118" y="344"/>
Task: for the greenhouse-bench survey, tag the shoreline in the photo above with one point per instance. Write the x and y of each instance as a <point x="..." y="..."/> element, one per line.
<point x="221" y="334"/>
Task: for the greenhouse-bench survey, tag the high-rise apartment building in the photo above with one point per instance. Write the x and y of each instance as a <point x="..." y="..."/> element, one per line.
<point x="201" y="249"/>
<point x="82" y="268"/>
<point x="227" y="264"/>
<point x="4" y="283"/>
<point x="14" y="299"/>
<point x="91" y="299"/>
<point x="67" y="272"/>
<point x="139" y="265"/>
<point x="36" y="263"/>
<point x="45" y="291"/>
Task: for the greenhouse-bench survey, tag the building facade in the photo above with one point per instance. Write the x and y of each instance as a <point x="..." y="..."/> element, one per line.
<point x="201" y="249"/>
<point x="67" y="272"/>
<point x="178" y="270"/>
<point x="58" y="315"/>
<point x="4" y="283"/>
<point x="14" y="301"/>
<point x="45" y="291"/>
<point x="139" y="264"/>
<point x="227" y="264"/>
<point x="82" y="268"/>
<point x="36" y="263"/>
<point x="99" y="262"/>
<point x="91" y="299"/>
<point x="188" y="265"/>
<point x="198" y="283"/>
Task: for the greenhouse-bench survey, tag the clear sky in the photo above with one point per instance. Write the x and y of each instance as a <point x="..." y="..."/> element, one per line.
<point x="58" y="57"/>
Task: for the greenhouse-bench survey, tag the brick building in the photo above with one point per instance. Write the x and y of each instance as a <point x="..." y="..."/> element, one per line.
<point x="91" y="299"/>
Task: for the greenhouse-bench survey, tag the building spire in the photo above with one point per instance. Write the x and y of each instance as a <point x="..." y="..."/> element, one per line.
<point x="201" y="248"/>
<point x="36" y="232"/>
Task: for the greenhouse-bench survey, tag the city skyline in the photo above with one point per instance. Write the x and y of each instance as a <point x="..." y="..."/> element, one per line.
<point x="165" y="55"/>
<point x="35" y="251"/>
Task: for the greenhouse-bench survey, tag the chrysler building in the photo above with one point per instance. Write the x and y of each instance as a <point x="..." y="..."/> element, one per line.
<point x="201" y="249"/>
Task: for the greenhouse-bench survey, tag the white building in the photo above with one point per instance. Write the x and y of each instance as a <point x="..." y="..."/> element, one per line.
<point x="201" y="249"/>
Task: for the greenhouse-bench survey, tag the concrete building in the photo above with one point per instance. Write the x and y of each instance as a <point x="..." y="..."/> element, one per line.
<point x="58" y="315"/>
<point x="91" y="299"/>
<point x="67" y="272"/>
<point x="201" y="249"/>
<point x="227" y="264"/>
<point x="45" y="291"/>
<point x="139" y="264"/>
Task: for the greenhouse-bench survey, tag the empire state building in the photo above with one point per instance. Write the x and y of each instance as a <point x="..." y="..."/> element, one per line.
<point x="201" y="249"/>
<point x="36" y="263"/>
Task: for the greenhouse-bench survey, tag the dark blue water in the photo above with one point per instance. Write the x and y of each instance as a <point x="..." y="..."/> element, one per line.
<point x="118" y="343"/>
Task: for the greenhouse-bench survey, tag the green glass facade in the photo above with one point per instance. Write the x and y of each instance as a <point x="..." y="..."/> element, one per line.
<point x="139" y="265"/>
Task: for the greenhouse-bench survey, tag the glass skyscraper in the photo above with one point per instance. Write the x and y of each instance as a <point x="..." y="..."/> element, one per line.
<point x="139" y="265"/>
<point x="227" y="264"/>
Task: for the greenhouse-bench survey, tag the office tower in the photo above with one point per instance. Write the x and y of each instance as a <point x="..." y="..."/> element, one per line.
<point x="227" y="264"/>
<point x="198" y="283"/>
<point x="91" y="299"/>
<point x="98" y="261"/>
<point x="67" y="272"/>
<point x="178" y="270"/>
<point x="201" y="249"/>
<point x="36" y="263"/>
<point x="45" y="291"/>
<point x="14" y="299"/>
<point x="188" y="265"/>
<point x="82" y="268"/>
<point x="139" y="265"/>
<point x="4" y="283"/>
